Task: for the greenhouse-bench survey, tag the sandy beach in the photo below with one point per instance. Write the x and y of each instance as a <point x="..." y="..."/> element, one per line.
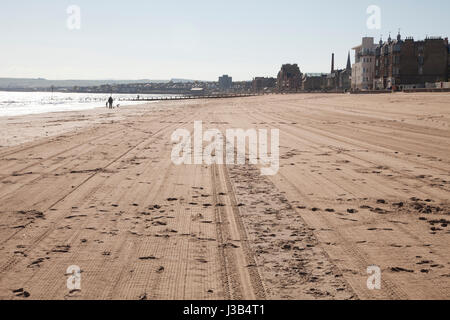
<point x="363" y="181"/>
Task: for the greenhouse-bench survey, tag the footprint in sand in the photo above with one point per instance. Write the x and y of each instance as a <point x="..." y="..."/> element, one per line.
<point x="148" y="258"/>
<point x="21" y="293"/>
<point x="399" y="269"/>
<point x="160" y="270"/>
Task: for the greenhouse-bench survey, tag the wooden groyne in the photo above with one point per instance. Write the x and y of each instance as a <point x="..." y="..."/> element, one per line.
<point x="403" y="90"/>
<point x="190" y="97"/>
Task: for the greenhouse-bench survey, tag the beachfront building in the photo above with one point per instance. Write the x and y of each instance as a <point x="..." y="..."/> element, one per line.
<point x="363" y="70"/>
<point x="242" y="87"/>
<point x="405" y="64"/>
<point x="339" y="80"/>
<point x="314" y="81"/>
<point x="345" y="76"/>
<point x="448" y="62"/>
<point x="289" y="78"/>
<point x="198" y="91"/>
<point x="225" y="82"/>
<point x="262" y="84"/>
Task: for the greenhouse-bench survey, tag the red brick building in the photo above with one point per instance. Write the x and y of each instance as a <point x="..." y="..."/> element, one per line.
<point x="448" y="62"/>
<point x="400" y="63"/>
<point x="261" y="84"/>
<point x="289" y="78"/>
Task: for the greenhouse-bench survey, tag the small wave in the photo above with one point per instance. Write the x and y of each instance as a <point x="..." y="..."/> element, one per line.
<point x="21" y="103"/>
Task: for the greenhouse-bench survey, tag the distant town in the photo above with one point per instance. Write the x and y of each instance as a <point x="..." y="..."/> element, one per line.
<point x="392" y="65"/>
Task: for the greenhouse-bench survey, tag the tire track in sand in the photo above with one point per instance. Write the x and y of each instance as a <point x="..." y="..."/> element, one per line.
<point x="15" y="259"/>
<point x="240" y="276"/>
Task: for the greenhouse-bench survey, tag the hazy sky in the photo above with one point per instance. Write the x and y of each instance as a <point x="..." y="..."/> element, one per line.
<point x="197" y="39"/>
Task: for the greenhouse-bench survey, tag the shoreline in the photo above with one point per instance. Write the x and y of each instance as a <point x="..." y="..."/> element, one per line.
<point x="18" y="129"/>
<point x="24" y="103"/>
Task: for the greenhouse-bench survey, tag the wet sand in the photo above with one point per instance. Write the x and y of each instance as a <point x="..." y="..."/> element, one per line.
<point x="364" y="180"/>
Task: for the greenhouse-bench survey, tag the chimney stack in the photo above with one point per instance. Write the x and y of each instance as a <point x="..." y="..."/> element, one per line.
<point x="332" y="63"/>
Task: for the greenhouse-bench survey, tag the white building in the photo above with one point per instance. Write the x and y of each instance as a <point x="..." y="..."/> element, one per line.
<point x="363" y="70"/>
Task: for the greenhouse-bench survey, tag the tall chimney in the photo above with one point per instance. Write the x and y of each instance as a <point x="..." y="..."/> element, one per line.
<point x="332" y="63"/>
<point x="349" y="63"/>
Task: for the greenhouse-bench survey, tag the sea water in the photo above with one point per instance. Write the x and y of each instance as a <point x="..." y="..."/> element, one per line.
<point x="22" y="103"/>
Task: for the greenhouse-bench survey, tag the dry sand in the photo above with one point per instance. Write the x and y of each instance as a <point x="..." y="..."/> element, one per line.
<point x="364" y="180"/>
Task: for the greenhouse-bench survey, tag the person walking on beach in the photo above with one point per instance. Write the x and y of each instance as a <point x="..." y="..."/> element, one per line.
<point x="110" y="101"/>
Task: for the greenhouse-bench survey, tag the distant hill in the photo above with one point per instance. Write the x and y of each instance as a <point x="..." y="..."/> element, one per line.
<point x="11" y="83"/>
<point x="175" y="80"/>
